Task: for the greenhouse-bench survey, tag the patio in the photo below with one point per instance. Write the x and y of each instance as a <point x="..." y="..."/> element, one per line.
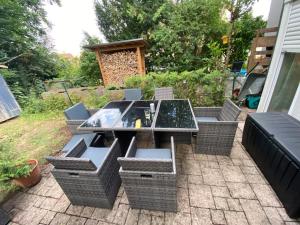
<point x="210" y="190"/>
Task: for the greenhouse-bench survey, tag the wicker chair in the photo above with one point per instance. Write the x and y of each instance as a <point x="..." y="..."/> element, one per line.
<point x="149" y="177"/>
<point x="89" y="175"/>
<point x="76" y="115"/>
<point x="163" y="93"/>
<point x="217" y="128"/>
<point x="133" y="94"/>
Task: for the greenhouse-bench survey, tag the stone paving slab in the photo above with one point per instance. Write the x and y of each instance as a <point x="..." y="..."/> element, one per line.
<point x="210" y="190"/>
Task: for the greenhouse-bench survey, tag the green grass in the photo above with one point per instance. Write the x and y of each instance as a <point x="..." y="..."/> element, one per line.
<point x="33" y="136"/>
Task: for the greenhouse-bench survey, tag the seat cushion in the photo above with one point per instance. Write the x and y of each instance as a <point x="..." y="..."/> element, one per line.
<point x="77" y="112"/>
<point x="206" y="119"/>
<point x="158" y="153"/>
<point x="133" y="94"/>
<point x="88" y="138"/>
<point x="96" y="155"/>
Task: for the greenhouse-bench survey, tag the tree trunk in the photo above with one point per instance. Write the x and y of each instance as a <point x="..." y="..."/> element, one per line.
<point x="228" y="51"/>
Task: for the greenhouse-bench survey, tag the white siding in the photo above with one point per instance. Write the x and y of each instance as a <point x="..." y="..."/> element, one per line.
<point x="291" y="41"/>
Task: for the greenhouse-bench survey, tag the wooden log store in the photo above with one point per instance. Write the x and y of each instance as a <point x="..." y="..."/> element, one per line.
<point x="119" y="60"/>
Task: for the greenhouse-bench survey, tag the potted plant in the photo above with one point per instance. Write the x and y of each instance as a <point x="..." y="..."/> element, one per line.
<point x="23" y="173"/>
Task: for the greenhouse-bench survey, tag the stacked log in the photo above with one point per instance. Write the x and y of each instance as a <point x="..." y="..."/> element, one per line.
<point x="118" y="66"/>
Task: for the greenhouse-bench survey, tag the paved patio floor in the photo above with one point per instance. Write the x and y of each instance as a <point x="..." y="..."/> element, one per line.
<point x="211" y="190"/>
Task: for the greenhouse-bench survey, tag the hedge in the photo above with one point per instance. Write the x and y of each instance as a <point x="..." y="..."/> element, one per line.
<point x="202" y="88"/>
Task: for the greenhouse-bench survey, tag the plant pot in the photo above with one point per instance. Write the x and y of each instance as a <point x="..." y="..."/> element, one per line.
<point x="33" y="178"/>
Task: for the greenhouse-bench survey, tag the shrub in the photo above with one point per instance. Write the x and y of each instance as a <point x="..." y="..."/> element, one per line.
<point x="202" y="88"/>
<point x="50" y="103"/>
<point x="94" y="101"/>
<point x="11" y="165"/>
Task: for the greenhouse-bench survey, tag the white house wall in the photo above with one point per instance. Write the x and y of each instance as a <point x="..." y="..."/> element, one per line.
<point x="279" y="51"/>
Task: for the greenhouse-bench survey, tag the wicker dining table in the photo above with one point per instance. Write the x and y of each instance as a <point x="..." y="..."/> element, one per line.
<point x="127" y="118"/>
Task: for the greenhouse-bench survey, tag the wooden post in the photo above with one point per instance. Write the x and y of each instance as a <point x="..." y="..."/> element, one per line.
<point x="101" y="66"/>
<point x="143" y="61"/>
<point x="139" y="60"/>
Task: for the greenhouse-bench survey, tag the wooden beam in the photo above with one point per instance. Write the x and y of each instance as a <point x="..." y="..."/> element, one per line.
<point x="111" y="49"/>
<point x="143" y="61"/>
<point x="139" y="60"/>
<point x="268" y="52"/>
<point x="266" y="30"/>
<point x="101" y="67"/>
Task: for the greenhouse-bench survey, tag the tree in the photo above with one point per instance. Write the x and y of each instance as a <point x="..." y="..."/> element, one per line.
<point x="22" y="33"/>
<point x="127" y="19"/>
<point x="67" y="66"/>
<point x="180" y="42"/>
<point x="237" y="9"/>
<point x="245" y="31"/>
<point x="89" y="68"/>
<point x="177" y="31"/>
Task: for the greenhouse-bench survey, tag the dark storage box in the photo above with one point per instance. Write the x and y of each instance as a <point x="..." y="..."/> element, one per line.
<point x="273" y="141"/>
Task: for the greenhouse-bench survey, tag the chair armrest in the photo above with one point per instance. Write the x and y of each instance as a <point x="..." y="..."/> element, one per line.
<point x="74" y="122"/>
<point x="207" y="111"/>
<point x="219" y="122"/>
<point x="93" y="111"/>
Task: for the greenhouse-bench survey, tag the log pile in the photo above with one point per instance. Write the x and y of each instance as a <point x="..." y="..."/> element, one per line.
<point x="118" y="66"/>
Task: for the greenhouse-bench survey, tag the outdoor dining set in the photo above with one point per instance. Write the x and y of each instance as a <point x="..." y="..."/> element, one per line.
<point x="133" y="141"/>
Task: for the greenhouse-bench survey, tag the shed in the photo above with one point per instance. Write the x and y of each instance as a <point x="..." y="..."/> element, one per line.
<point x="121" y="59"/>
<point x="9" y="107"/>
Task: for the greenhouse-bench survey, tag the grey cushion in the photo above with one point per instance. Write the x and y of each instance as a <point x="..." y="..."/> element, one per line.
<point x="206" y="119"/>
<point x="158" y="153"/>
<point x="96" y="155"/>
<point x="74" y="140"/>
<point x="133" y="94"/>
<point x="77" y="112"/>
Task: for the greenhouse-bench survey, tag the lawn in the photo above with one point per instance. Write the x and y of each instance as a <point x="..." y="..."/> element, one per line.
<point x="33" y="137"/>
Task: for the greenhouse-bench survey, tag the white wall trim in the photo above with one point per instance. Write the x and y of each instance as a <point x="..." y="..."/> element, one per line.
<point x="295" y="107"/>
<point x="276" y="62"/>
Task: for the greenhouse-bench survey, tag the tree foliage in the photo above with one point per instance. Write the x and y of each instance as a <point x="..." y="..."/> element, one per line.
<point x="182" y="35"/>
<point x="89" y="68"/>
<point x="67" y="66"/>
<point x="177" y="32"/>
<point x="237" y="9"/>
<point x="180" y="42"/>
<point x="127" y="19"/>
<point x="23" y="38"/>
<point x="244" y="33"/>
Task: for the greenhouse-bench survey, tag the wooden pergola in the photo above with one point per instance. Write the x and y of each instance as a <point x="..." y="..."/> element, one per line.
<point x="120" y="60"/>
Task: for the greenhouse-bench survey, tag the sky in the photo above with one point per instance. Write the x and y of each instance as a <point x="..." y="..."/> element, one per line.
<point x="75" y="17"/>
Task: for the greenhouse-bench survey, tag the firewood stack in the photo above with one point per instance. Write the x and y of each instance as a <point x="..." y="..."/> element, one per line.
<point x="120" y="59"/>
<point x="119" y="65"/>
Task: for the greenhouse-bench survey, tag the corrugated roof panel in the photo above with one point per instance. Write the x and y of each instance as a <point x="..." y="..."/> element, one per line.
<point x="9" y="107"/>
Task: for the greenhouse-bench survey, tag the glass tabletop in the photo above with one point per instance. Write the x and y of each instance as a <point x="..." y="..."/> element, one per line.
<point x="175" y="114"/>
<point x="107" y="116"/>
<point x="138" y="116"/>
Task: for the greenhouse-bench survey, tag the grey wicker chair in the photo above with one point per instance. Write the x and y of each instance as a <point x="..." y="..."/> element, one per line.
<point x="88" y="175"/>
<point x="149" y="177"/>
<point x="88" y="138"/>
<point x="163" y="93"/>
<point x="133" y="94"/>
<point x="217" y="128"/>
<point x="76" y="115"/>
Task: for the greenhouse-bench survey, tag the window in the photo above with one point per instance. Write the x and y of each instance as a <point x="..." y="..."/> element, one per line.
<point x="287" y="83"/>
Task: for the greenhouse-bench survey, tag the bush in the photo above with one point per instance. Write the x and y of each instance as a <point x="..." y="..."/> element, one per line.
<point x="203" y="89"/>
<point x="11" y="165"/>
<point x="50" y="103"/>
<point x="94" y="101"/>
